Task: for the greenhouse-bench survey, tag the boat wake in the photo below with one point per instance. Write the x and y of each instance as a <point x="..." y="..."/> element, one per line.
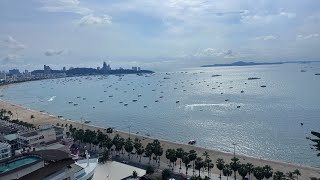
<point x="191" y="106"/>
<point x="52" y="98"/>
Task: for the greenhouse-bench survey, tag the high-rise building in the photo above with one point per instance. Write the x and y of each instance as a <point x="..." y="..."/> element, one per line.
<point x="47" y="69"/>
<point x="64" y="69"/>
<point x="14" y="71"/>
<point x="105" y="67"/>
<point x="134" y="68"/>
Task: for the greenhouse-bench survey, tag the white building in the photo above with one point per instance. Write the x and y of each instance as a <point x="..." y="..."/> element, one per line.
<point x="3" y="76"/>
<point x="44" y="135"/>
<point x="5" y="151"/>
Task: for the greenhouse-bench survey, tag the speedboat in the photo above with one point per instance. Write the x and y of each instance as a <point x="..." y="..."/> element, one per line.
<point x="192" y="142"/>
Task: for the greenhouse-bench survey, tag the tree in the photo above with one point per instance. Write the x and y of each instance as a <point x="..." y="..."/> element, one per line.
<point x="192" y="157"/>
<point x="279" y="176"/>
<point x="267" y="171"/>
<point x="220" y="165"/>
<point x="148" y="151"/>
<point x="290" y="176"/>
<point x="199" y="164"/>
<point x="128" y="146"/>
<point x="186" y="161"/>
<point x="227" y="171"/>
<point x="243" y="170"/>
<point x="166" y="173"/>
<point x="172" y="156"/>
<point x="250" y="169"/>
<point x="180" y="153"/>
<point x="157" y="149"/>
<point x="297" y="173"/>
<point x="140" y="151"/>
<point x="95" y="142"/>
<point x="235" y="164"/>
<point x="105" y="157"/>
<point x="134" y="174"/>
<point x="258" y="172"/>
<point x="149" y="170"/>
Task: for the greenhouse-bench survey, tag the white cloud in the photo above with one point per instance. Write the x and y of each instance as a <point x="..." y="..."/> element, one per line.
<point x="266" y="38"/>
<point x="11" y="43"/>
<point x="10" y="58"/>
<point x="51" y="52"/>
<point x="70" y="6"/>
<point x="308" y="36"/>
<point x="211" y="52"/>
<point x="287" y="14"/>
<point x="95" y="20"/>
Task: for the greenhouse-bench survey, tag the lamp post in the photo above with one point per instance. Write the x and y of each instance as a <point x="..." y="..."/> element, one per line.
<point x="234" y="149"/>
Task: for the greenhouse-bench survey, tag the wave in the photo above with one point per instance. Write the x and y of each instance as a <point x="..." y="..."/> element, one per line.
<point x="52" y="98"/>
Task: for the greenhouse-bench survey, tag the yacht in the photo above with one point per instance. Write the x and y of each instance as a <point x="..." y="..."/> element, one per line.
<point x="192" y="142"/>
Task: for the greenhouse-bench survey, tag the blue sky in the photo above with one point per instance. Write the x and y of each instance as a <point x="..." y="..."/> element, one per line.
<point x="156" y="34"/>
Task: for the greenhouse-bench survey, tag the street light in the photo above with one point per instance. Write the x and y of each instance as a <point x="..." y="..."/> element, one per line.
<point x="234" y="149"/>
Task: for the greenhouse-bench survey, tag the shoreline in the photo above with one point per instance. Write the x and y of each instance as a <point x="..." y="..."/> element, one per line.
<point x="45" y="118"/>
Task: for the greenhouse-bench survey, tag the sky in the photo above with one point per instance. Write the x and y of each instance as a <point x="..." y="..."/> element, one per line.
<point x="156" y="34"/>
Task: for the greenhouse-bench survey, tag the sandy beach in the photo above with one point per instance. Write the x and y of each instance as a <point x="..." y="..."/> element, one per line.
<point x="43" y="118"/>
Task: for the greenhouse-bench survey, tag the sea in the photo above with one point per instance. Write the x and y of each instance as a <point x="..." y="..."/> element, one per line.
<point x="215" y="106"/>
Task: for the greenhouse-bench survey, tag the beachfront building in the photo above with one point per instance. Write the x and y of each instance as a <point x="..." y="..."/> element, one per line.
<point x="44" y="135"/>
<point x="47" y="164"/>
<point x="5" y="151"/>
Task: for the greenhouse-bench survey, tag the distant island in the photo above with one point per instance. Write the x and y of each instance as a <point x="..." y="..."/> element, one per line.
<point x="242" y="63"/>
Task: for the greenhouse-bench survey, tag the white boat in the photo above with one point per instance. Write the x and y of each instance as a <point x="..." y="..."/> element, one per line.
<point x="192" y="142"/>
<point x="88" y="167"/>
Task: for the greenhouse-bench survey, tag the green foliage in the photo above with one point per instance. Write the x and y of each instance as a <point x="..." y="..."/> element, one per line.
<point x="267" y="171"/>
<point x="166" y="173"/>
<point x="258" y="172"/>
<point x="134" y="174"/>
<point x="279" y="176"/>
<point x="149" y="170"/>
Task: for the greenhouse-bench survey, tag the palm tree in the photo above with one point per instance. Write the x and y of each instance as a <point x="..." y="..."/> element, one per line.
<point x="186" y="161"/>
<point x="95" y="142"/>
<point x="290" y="176"/>
<point x="137" y="144"/>
<point x="157" y="149"/>
<point x="227" y="171"/>
<point x="250" y="169"/>
<point x="279" y="176"/>
<point x="172" y="156"/>
<point x="128" y="146"/>
<point x="235" y="164"/>
<point x="297" y="173"/>
<point x="210" y="165"/>
<point x="220" y="165"/>
<point x="10" y="114"/>
<point x="243" y="171"/>
<point x="148" y="151"/>
<point x="140" y="151"/>
<point x="192" y="157"/>
<point x="199" y="164"/>
<point x="180" y="153"/>
<point x="258" y="172"/>
<point x="267" y="170"/>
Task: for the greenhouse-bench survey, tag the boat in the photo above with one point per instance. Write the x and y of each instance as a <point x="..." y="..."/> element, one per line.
<point x="253" y="78"/>
<point x="120" y="102"/>
<point x="263" y="86"/>
<point x="134" y="100"/>
<point x="166" y="78"/>
<point x="226" y="100"/>
<point x="145" y="106"/>
<point x="303" y="70"/>
<point x="110" y="96"/>
<point x="192" y="142"/>
<point x="75" y="104"/>
<point x="238" y="106"/>
<point x="87" y="122"/>
<point x="139" y="95"/>
<point x="317" y="74"/>
<point x="156" y="101"/>
<point x="70" y="102"/>
<point x="101" y="101"/>
<point x="177" y="101"/>
<point x="215" y="75"/>
<point x="88" y="167"/>
<point x="126" y="104"/>
<point x="242" y="91"/>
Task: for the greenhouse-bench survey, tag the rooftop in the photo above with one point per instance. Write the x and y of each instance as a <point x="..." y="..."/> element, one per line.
<point x="29" y="134"/>
<point x="52" y="154"/>
<point x="17" y="164"/>
<point x="4" y="145"/>
<point x="10" y="137"/>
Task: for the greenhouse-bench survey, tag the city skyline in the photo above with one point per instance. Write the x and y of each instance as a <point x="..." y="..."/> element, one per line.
<point x="156" y="35"/>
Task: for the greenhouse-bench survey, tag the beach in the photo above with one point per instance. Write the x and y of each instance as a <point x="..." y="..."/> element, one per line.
<point x="41" y="118"/>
